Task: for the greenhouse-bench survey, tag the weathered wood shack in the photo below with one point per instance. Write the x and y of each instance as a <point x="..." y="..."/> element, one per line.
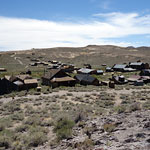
<point x="119" y="67"/>
<point x="85" y="79"/>
<point x="139" y="65"/>
<point x="57" y="77"/>
<point x="30" y="83"/>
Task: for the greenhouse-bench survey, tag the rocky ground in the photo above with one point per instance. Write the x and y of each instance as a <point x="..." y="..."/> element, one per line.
<point x="103" y="119"/>
<point x="125" y="131"/>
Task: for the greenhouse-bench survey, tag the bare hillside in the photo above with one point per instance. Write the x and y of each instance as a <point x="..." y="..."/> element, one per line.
<point x="93" y="54"/>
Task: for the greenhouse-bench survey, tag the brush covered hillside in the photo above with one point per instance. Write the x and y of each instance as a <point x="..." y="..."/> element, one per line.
<point x="92" y="54"/>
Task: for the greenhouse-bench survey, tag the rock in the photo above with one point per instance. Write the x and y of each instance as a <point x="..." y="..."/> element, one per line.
<point x="129" y="140"/>
<point x="148" y="140"/>
<point x="147" y="125"/>
<point x="118" y="123"/>
<point x="140" y="135"/>
<point x="98" y="142"/>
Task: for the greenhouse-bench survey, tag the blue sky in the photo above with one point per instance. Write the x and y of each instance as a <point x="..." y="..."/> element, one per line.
<point x="26" y="24"/>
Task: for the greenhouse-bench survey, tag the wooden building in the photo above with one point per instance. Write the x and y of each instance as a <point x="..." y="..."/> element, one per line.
<point x="57" y="77"/>
<point x="139" y="65"/>
<point x="85" y="79"/>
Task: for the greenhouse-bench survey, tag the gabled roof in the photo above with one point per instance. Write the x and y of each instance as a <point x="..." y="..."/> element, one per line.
<point x="119" y="66"/>
<point x="85" y="77"/>
<point x="85" y="70"/>
<point x="11" y="78"/>
<point x="23" y="77"/>
<point x="49" y="75"/>
<point x="136" y="64"/>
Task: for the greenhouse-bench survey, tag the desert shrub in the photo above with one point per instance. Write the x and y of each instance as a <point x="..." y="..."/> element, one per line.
<point x="109" y="127"/>
<point x="37" y="93"/>
<point x="21" y="128"/>
<point x="86" y="144"/>
<point x="11" y="107"/>
<point x="5" y="142"/>
<point x="63" y="128"/>
<point x="17" y="116"/>
<point x="21" y="93"/>
<point x="109" y="103"/>
<point x="5" y="122"/>
<point x="29" y="110"/>
<point x="2" y="127"/>
<point x="34" y="139"/>
<point x="69" y="94"/>
<point x="36" y="128"/>
<point x="120" y="109"/>
<point x="47" y="123"/>
<point x="146" y="105"/>
<point x="34" y="136"/>
<point x="6" y="138"/>
<point x="54" y="107"/>
<point x="135" y="107"/>
<point x="33" y="120"/>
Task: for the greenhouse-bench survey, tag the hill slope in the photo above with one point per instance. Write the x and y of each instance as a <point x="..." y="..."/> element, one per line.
<point x="93" y="54"/>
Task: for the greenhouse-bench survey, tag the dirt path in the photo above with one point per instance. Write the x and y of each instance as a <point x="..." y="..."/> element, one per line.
<point x="18" y="59"/>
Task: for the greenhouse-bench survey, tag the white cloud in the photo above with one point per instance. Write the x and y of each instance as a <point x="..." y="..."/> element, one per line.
<point x="23" y="33"/>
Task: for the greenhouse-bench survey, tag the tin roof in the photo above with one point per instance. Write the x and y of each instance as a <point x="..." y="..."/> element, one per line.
<point x="100" y="71"/>
<point x="85" y="70"/>
<point x="119" y="66"/>
<point x="129" y="69"/>
<point x="85" y="77"/>
<point x="136" y="64"/>
<point x="19" y="83"/>
<point x="63" y="79"/>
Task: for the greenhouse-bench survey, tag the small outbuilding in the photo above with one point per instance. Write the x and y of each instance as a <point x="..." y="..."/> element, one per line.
<point x="109" y="69"/>
<point x="139" y="65"/>
<point x="145" y="72"/>
<point x="30" y="83"/>
<point x="139" y="83"/>
<point x="99" y="72"/>
<point x="3" y="69"/>
<point x="119" y="67"/>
